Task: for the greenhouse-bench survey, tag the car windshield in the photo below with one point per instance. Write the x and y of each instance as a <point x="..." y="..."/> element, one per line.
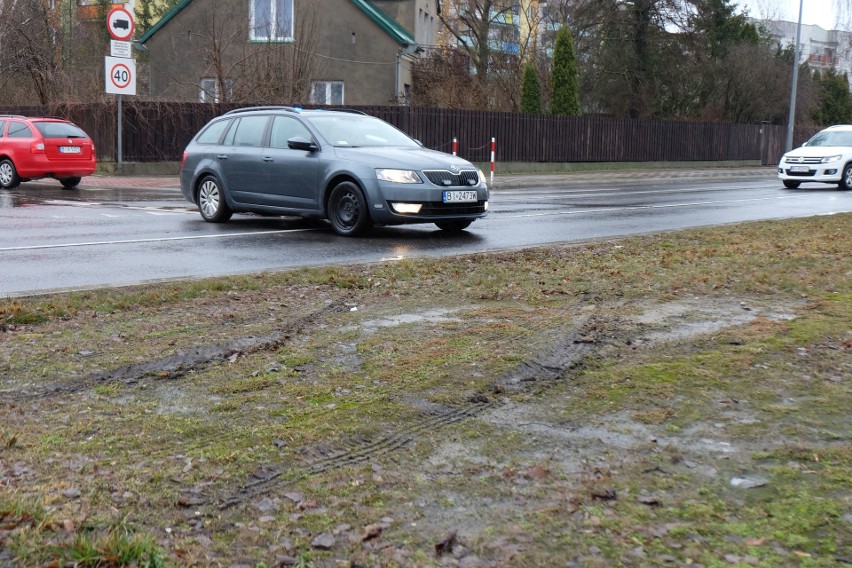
<point x="59" y="130"/>
<point x="355" y="130"/>
<point x="831" y="138"/>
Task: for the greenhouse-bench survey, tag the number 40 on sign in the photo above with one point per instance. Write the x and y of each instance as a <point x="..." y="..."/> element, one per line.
<point x="120" y="75"/>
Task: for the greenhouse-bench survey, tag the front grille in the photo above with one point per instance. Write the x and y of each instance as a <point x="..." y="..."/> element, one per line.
<point x="445" y="178"/>
<point x="439" y="208"/>
<point x="803" y="160"/>
<point x="801" y="174"/>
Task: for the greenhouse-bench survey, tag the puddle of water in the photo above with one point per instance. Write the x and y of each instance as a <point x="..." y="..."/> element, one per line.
<point x="438" y="315"/>
<point x="691" y="318"/>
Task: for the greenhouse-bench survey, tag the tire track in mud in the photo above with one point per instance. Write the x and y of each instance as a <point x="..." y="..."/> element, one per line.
<point x="180" y="364"/>
<point x="548" y="367"/>
<point x="357" y="452"/>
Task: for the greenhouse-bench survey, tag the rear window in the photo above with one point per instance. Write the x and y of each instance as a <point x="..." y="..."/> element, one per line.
<point x="59" y="130"/>
<point x="20" y="130"/>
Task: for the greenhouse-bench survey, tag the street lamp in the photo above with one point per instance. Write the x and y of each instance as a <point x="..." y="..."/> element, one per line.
<point x="792" y="118"/>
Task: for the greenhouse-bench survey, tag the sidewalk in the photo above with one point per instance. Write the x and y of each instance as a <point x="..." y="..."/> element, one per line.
<point x="501" y="181"/>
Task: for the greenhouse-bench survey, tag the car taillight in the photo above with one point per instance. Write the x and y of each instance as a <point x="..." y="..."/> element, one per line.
<point x="182" y="160"/>
<point x="37" y="148"/>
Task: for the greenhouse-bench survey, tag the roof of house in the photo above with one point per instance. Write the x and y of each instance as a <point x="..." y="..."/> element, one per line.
<point x="398" y="33"/>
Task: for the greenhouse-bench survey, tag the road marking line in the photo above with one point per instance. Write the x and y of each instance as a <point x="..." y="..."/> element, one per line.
<point x="65" y="202"/>
<point x="639" y="207"/>
<point x="157" y="240"/>
<point x="595" y="192"/>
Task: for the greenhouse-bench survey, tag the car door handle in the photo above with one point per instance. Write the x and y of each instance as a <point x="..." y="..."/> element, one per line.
<point x="268" y="159"/>
<point x="222" y="156"/>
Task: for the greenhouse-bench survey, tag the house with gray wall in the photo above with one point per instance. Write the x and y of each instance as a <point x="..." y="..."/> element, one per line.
<point x="336" y="52"/>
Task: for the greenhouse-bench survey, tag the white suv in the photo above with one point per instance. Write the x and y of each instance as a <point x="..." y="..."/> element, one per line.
<point x="825" y="158"/>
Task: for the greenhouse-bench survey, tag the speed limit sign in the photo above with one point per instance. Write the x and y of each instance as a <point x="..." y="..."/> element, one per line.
<point x="120" y="75"/>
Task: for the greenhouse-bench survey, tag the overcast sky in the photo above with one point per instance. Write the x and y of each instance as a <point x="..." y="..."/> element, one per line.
<point x="823" y="13"/>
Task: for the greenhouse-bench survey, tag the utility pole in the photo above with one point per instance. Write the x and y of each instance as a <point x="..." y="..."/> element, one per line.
<point x="793" y="88"/>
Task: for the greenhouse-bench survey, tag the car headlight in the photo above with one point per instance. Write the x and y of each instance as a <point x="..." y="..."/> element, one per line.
<point x="828" y="159"/>
<point x="398" y="176"/>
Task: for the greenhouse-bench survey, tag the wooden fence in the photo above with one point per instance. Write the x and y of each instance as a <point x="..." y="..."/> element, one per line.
<point x="156" y="131"/>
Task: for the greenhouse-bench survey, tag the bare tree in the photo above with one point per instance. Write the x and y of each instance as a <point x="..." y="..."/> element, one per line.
<point x="494" y="38"/>
<point x="478" y="26"/>
<point x="442" y="79"/>
<point x="285" y="71"/>
<point x="250" y="71"/>
<point x="50" y="52"/>
<point x="30" y="62"/>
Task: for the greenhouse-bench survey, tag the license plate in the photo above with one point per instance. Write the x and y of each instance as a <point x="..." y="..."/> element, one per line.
<point x="69" y="149"/>
<point x="460" y="196"/>
<point x="799" y="169"/>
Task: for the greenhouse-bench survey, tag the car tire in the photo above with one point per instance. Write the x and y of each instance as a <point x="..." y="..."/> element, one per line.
<point x="845" y="182"/>
<point x="792" y="184"/>
<point x="211" y="201"/>
<point x="347" y="210"/>
<point x="70" y="183"/>
<point x="453" y="226"/>
<point x="9" y="178"/>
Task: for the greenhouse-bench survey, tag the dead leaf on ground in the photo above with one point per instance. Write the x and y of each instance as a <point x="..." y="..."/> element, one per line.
<point x="446" y="545"/>
<point x="371" y="532"/>
<point x="536" y="472"/>
<point x="605" y="494"/>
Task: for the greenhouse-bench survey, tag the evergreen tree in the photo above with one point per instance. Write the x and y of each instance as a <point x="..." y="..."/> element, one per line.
<point x="144" y="16"/>
<point x="565" y="87"/>
<point x="530" y="91"/>
<point x="718" y="27"/>
<point x="835" y="100"/>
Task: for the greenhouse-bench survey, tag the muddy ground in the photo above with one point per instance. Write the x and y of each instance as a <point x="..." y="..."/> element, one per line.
<point x="678" y="399"/>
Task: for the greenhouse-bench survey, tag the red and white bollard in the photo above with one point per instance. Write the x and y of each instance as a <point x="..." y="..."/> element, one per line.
<point x="493" y="146"/>
<point x="455" y="146"/>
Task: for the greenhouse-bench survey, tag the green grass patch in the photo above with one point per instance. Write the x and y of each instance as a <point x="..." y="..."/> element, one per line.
<point x="684" y="360"/>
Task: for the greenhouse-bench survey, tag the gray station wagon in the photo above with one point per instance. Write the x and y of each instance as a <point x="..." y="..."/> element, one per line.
<point x="345" y="166"/>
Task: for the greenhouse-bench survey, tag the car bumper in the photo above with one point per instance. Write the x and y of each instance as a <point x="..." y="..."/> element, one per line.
<point x="40" y="167"/>
<point x="825" y="173"/>
<point x="186" y="180"/>
<point x="389" y="202"/>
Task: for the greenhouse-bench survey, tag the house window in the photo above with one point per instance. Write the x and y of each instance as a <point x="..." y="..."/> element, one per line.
<point x="327" y="92"/>
<point x="209" y="91"/>
<point x="271" y="20"/>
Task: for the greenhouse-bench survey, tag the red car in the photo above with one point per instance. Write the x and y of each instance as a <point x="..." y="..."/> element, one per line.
<point x="32" y="148"/>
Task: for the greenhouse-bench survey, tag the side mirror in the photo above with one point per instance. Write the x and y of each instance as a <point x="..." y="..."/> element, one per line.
<point x="299" y="143"/>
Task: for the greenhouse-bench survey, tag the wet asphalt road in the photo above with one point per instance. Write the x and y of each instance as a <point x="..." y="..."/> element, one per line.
<point x="121" y="231"/>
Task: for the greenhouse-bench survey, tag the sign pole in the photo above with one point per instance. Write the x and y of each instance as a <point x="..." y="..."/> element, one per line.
<point x="118" y="134"/>
<point x="120" y="67"/>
